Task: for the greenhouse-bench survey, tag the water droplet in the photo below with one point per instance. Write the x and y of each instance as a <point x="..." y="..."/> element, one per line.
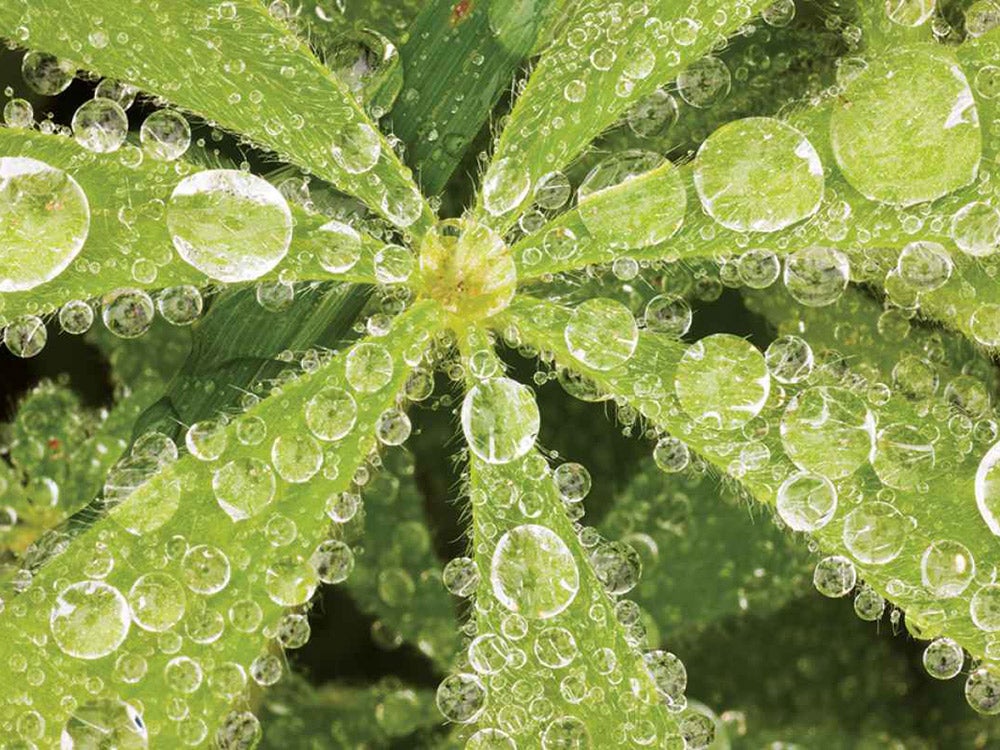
<point x="296" y="458"/>
<point x="100" y="125"/>
<point x="333" y="561"/>
<point x="392" y="427"/>
<point x="230" y="225"/>
<point x="906" y="129"/>
<point x="734" y="175"/>
<point x="44" y="221"/>
<point x="671" y="455"/>
<point x="722" y="381"/>
<point x="104" y="723"/>
<point x="165" y="135"/>
<point x="180" y="305"/>
<point x="602" y="334"/>
<point x="128" y="313"/>
<point x="975" y="228"/>
<point x="618" y="567"/>
<point x="461" y="698"/>
<point x="875" y="533"/>
<point x="533" y="572"/>
<point x="370" y="65"/>
<point x="244" y="487"/>
<point x="572" y="481"/>
<point x="669" y="314"/>
<point x="947" y="568"/>
<point x="394" y="264"/>
<point x="291" y="581"/>
<point x="668" y="675"/>
<point x="925" y="266"/>
<point x="817" y="276"/>
<point x="500" y="420"/>
<point x="357" y="148"/>
<point x="18" y="113"/>
<point x="490" y="739"/>
<point x="806" y="502"/>
<point x="461" y="576"/>
<point x="829" y="431"/>
<point x="506" y="186"/>
<point x="157" y="601"/>
<point x="341" y="247"/>
<point x="331" y="413"/>
<point x="705" y="82"/>
<point x="25" y="336"/>
<point x="834" y="576"/>
<point x="89" y="620"/>
<point x="46" y="74"/>
<point x="368" y="367"/>
<point x="206" y="569"/>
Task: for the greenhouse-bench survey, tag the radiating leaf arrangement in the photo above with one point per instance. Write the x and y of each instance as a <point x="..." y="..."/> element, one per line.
<point x="331" y="220"/>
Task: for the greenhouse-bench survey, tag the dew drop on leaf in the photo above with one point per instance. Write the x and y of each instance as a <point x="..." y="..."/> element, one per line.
<point x="296" y="458"/>
<point x="205" y="569"/>
<point x="943" y="658"/>
<point x="341" y="247"/>
<point x="165" y="135"/>
<point x="806" y="502"/>
<point x="506" y="186"/>
<point x="357" y="148"/>
<point x="25" y="336"/>
<point x="89" y="620"/>
<point x="817" y="276"/>
<point x="106" y="722"/>
<point x="947" y="568"/>
<point x="500" y="420"/>
<point x="602" y="334"/>
<point x="100" y="125"/>
<point x="906" y="130"/>
<point x="722" y="381"/>
<point x="230" y="225"/>
<point x="533" y="573"/>
<point x="46" y="74"/>
<point x="875" y="533"/>
<point x="44" y="221"/>
<point x="736" y="169"/>
<point x="461" y="697"/>
<point x="828" y="431"/>
<point x="368" y="367"/>
<point x="157" y="601"/>
<point x="244" y="487"/>
<point x="834" y="576"/>
<point x="975" y="228"/>
<point x="331" y="413"/>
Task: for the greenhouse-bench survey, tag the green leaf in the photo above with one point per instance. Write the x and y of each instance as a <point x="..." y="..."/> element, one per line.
<point x="604" y="60"/>
<point x="915" y="464"/>
<point x="238" y="347"/>
<point x="542" y="616"/>
<point x="219" y="593"/>
<point x="693" y="535"/>
<point x="128" y="243"/>
<point x="240" y="68"/>
<point x="458" y="60"/>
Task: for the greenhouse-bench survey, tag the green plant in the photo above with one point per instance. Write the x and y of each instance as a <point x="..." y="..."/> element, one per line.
<point x="163" y="555"/>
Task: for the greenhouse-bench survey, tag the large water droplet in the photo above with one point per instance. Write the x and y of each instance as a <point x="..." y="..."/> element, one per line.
<point x="602" y="334"/>
<point x="906" y="129"/>
<point x="735" y="175"/>
<point x="230" y="225"/>
<point x="829" y="431"/>
<point x="500" y="420"/>
<point x="722" y="381"/>
<point x="44" y="221"/>
<point x="533" y="572"/>
<point x="90" y="619"/>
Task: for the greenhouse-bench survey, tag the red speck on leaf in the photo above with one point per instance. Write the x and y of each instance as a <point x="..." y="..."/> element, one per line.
<point x="460" y="11"/>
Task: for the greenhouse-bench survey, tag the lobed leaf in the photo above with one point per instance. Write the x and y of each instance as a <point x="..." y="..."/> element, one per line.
<point x="240" y="68"/>
<point x="901" y="496"/>
<point x="128" y="243"/>
<point x="105" y="606"/>
<point x="605" y="59"/>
